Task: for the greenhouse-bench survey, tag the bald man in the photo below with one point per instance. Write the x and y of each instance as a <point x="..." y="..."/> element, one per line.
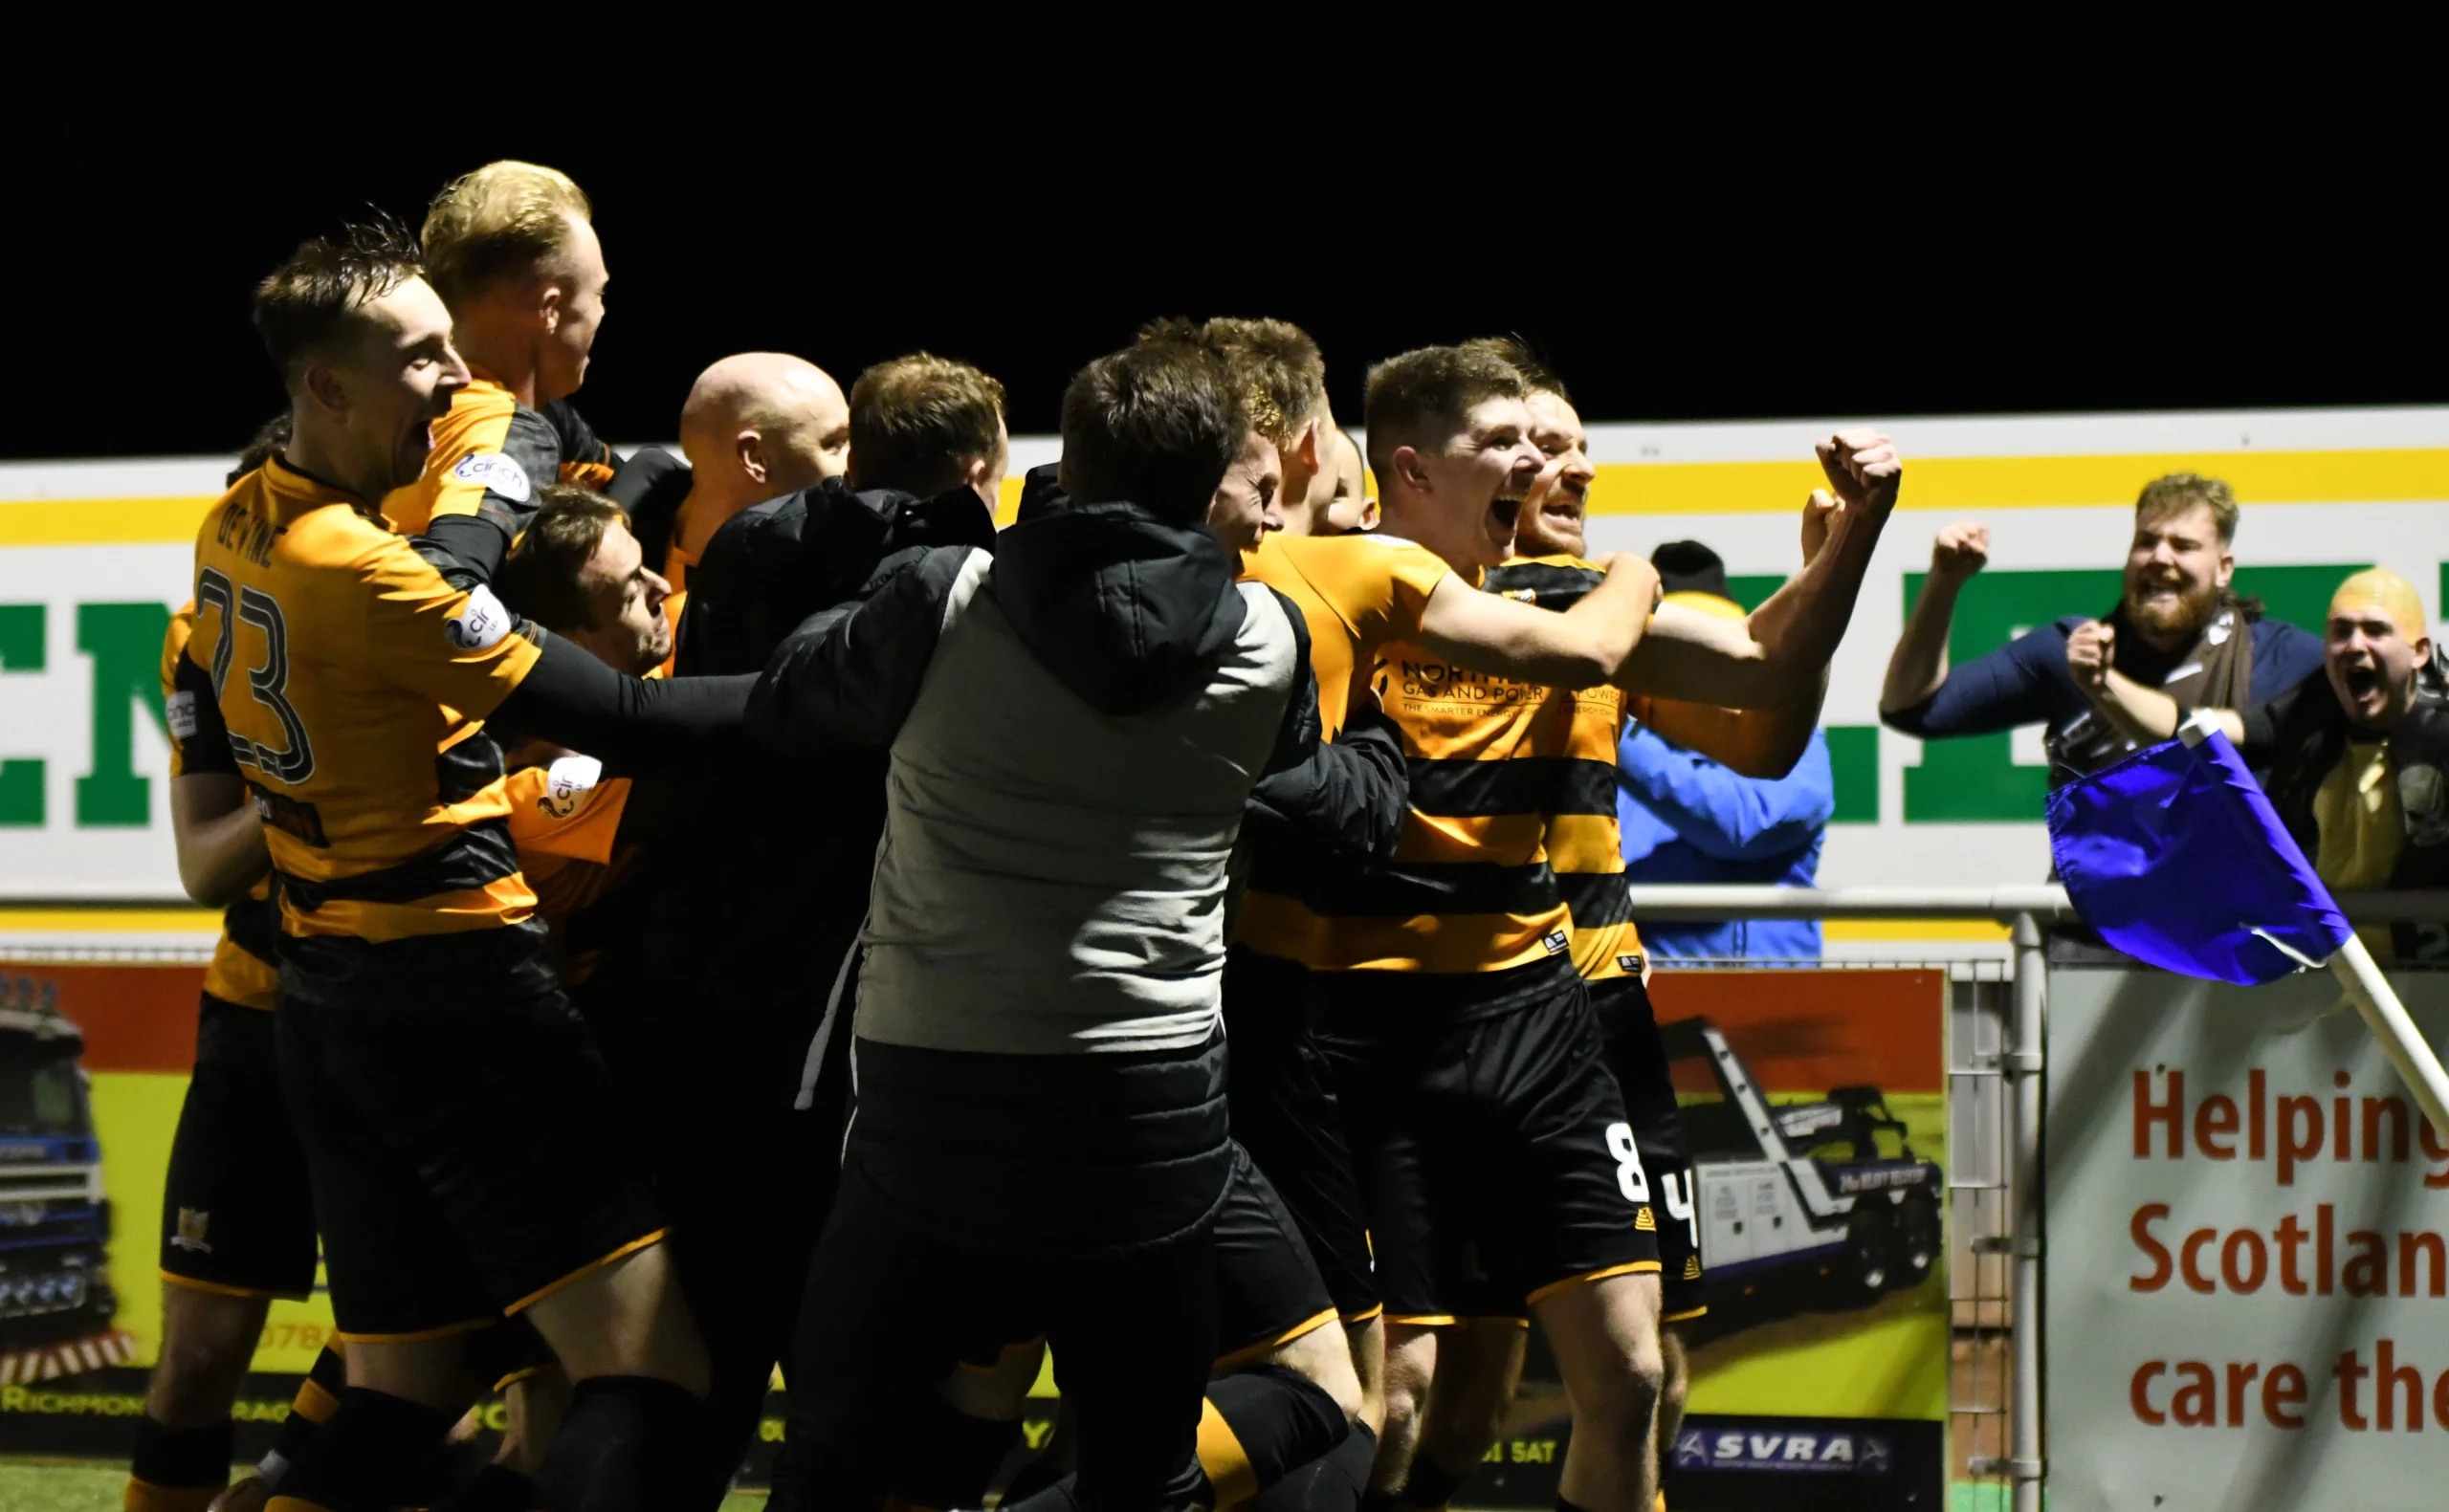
<point x="757" y="425"/>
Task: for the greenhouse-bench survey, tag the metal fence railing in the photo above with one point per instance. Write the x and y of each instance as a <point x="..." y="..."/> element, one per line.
<point x="1994" y="1064"/>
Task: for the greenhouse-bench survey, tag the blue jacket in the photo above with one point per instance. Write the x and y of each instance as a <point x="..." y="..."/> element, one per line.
<point x="1687" y="818"/>
<point x="2025" y="682"/>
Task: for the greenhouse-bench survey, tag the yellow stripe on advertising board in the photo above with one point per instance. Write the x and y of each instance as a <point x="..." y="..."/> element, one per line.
<point x="1989" y="482"/>
<point x="101" y="522"/>
<point x="1652" y="488"/>
<point x="109" y="919"/>
<point x="1979" y="930"/>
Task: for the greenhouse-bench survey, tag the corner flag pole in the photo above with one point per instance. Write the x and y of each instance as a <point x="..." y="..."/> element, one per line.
<point x="2387" y="1017"/>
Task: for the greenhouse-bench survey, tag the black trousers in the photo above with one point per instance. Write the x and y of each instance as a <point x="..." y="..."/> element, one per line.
<point x="890" y="1309"/>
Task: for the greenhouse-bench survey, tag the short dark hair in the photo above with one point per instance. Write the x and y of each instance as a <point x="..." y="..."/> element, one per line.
<point x="2182" y="493"/>
<point x="302" y="306"/>
<point x="1156" y="424"/>
<point x="912" y="417"/>
<point x="1538" y="376"/>
<point x="1427" y="395"/>
<point x="539" y="578"/>
<point x="1282" y="377"/>
<point x="270" y="437"/>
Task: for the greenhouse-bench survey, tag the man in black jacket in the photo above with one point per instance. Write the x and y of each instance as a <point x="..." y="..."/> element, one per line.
<point x="1075" y="724"/>
<point x="759" y="882"/>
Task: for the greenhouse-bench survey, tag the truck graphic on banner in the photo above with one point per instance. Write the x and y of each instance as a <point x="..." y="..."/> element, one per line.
<point x="1799" y="1206"/>
<point x="55" y="1296"/>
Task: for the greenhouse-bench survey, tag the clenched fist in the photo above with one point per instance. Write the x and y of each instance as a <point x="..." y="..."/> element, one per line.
<point x="1960" y="551"/>
<point x="1862" y="470"/>
<point x="2090" y="651"/>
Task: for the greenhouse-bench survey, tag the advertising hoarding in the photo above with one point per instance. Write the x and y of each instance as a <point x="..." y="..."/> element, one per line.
<point x="95" y="555"/>
<point x="2248" y="1249"/>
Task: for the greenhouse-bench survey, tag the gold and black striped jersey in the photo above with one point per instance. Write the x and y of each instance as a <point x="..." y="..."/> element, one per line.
<point x="491" y="454"/>
<point x="351" y="684"/>
<point x="565" y="819"/>
<point x="1584" y="840"/>
<point x="1358" y="595"/>
<point x="1469" y="890"/>
<point x="245" y="966"/>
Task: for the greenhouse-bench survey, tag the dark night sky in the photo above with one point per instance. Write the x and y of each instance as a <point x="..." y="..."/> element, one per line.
<point x="140" y="210"/>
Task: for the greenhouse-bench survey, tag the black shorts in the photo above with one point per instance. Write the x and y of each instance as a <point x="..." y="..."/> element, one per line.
<point x="1635" y="1054"/>
<point x="1498" y="1164"/>
<point x="467" y="1151"/>
<point x="237" y="1214"/>
<point x="1281" y="1089"/>
<point x="1268" y="1290"/>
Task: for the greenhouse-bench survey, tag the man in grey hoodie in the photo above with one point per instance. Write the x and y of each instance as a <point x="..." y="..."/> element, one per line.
<point x="1076" y="723"/>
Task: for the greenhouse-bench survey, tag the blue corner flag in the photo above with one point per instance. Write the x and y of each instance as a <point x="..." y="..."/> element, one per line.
<point x="2177" y="858"/>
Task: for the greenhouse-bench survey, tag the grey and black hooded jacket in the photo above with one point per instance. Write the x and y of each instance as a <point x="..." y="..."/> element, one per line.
<point x="1077" y="724"/>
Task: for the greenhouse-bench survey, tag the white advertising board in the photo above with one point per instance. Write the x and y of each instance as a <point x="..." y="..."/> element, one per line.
<point x="92" y="552"/>
<point x="2247" y="1301"/>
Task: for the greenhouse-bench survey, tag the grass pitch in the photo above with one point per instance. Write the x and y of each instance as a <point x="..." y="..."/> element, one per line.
<point x="63" y="1485"/>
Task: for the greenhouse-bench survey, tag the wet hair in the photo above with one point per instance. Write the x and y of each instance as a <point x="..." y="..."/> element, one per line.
<point x="1157" y="424"/>
<point x="1282" y="377"/>
<point x="303" y="308"/>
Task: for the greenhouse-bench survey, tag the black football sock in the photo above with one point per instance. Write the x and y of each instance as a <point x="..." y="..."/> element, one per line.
<point x="1335" y="1484"/>
<point x="953" y="1457"/>
<point x="367" y="1455"/>
<point x="1261" y="1423"/>
<point x="495" y="1488"/>
<point x="1563" y="1505"/>
<point x="319" y="1396"/>
<point x="1380" y="1501"/>
<point x="631" y="1443"/>
<point x="178" y="1469"/>
<point x="1427" y="1486"/>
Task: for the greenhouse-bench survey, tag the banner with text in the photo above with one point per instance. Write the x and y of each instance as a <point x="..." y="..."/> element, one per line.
<point x="95" y="555"/>
<point x="2248" y="1228"/>
<point x="1814" y="1105"/>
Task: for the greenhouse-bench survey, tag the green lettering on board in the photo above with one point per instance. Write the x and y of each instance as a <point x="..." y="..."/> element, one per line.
<point x="124" y="641"/>
<point x="1976" y="779"/>
<point x="1853" y="761"/>
<point x="21" y="650"/>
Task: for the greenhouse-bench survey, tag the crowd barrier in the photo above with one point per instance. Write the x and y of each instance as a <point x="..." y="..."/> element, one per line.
<point x="1843" y="1366"/>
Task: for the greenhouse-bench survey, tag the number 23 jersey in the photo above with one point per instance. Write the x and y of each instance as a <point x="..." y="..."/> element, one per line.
<point x="352" y="682"/>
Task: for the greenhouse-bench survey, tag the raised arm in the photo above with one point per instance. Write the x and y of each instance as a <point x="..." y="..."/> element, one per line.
<point x="850" y="676"/>
<point x="1779" y="657"/>
<point x="1764" y="743"/>
<point x="1918" y="667"/>
<point x="1586" y="646"/>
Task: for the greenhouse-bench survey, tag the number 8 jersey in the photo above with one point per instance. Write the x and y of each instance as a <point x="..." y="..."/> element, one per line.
<point x="351" y="683"/>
